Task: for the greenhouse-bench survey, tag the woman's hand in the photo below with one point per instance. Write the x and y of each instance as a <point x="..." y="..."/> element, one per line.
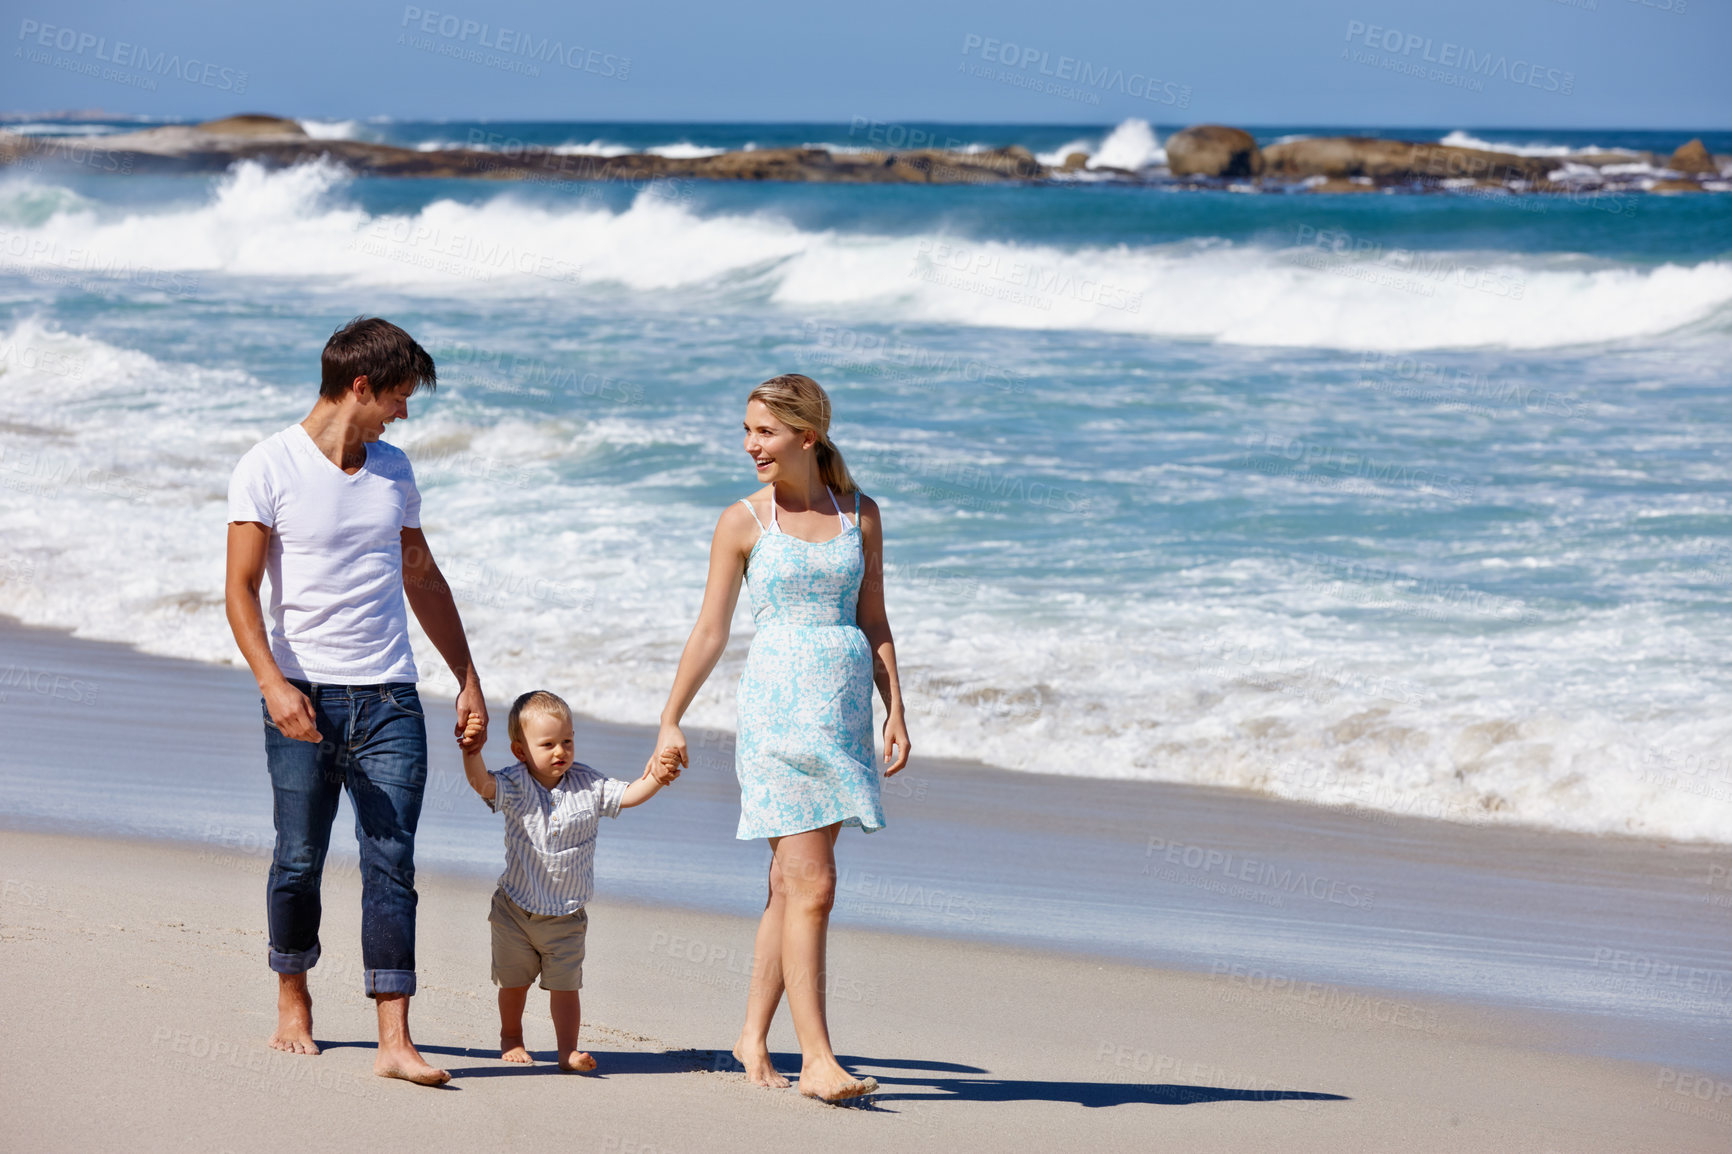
<point x="896" y="747"/>
<point x="670" y="738"/>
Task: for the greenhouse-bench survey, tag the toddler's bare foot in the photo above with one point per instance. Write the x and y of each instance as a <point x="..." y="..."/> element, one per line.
<point x="405" y="1062"/>
<point x="577" y="1061"/>
<point x="829" y="1082"/>
<point x="294" y="1016"/>
<point x="511" y="1050"/>
<point x="760" y="1071"/>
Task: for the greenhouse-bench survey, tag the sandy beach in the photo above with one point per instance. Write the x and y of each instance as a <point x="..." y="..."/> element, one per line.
<point x="151" y="954"/>
<point x="152" y="949"/>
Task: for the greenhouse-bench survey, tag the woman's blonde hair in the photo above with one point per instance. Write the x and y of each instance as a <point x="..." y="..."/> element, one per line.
<point x="802" y="404"/>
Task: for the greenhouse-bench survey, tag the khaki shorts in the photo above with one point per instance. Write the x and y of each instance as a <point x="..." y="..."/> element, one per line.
<point x="526" y="944"/>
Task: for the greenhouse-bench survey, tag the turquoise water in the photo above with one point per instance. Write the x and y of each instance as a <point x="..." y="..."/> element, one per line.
<point x="1413" y="502"/>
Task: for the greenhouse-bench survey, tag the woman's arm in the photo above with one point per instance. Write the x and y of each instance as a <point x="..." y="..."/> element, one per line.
<point x="735" y="534"/>
<point x="875" y="624"/>
<point x="663" y="765"/>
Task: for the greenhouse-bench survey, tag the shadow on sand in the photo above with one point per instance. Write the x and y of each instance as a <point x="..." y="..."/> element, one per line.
<point x="915" y="1082"/>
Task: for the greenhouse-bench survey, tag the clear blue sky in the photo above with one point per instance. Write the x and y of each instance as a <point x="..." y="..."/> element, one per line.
<point x="1624" y="63"/>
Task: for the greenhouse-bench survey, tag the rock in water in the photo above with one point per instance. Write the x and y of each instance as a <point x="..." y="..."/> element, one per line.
<point x="1348" y="156"/>
<point x="252" y="124"/>
<point x="1213" y="150"/>
<point x="1692" y="157"/>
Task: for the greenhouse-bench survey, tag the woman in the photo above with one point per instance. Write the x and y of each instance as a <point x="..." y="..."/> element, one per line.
<point x="804" y="752"/>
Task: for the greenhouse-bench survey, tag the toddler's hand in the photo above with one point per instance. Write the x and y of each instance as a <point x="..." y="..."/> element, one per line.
<point x="666" y="765"/>
<point x="474" y="736"/>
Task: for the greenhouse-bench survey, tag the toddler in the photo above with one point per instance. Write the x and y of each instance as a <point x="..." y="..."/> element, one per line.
<point x="552" y="806"/>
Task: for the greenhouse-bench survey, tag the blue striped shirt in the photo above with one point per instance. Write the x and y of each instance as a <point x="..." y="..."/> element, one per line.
<point x="550" y="835"/>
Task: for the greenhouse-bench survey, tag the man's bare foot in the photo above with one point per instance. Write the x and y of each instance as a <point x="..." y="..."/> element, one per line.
<point x="294" y="1016"/>
<point x="760" y="1071"/>
<point x="511" y="1050"/>
<point x="405" y="1062"/>
<point x="829" y="1082"/>
<point x="577" y="1061"/>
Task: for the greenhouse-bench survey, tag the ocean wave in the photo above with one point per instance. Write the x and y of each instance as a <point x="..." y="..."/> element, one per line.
<point x="293" y="224"/>
<point x="1131" y="145"/>
<point x="113" y="464"/>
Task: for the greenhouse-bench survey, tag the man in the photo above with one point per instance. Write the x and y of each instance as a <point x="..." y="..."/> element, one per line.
<point x="331" y="514"/>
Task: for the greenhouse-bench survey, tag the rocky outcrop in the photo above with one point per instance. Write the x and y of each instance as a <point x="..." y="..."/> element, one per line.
<point x="1693" y="158"/>
<point x="275" y="141"/>
<point x="1398" y="160"/>
<point x="1213" y="150"/>
<point x="252" y="124"/>
<point x="1195" y="157"/>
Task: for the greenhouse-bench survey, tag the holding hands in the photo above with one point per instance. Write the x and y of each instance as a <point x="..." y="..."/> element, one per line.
<point x="472" y="734"/>
<point x="664" y="767"/>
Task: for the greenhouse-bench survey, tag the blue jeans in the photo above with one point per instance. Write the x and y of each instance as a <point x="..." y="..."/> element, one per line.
<point x="373" y="740"/>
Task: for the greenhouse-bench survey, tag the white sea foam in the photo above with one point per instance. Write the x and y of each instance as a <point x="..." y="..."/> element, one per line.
<point x="332" y="129"/>
<point x="294" y="224"/>
<point x="113" y="466"/>
<point x="1460" y="139"/>
<point x="1131" y="145"/>
<point x="1057" y="156"/>
<point x="54" y="128"/>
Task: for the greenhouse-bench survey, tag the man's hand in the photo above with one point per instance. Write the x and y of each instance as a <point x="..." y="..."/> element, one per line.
<point x="291" y="712"/>
<point x="471" y="728"/>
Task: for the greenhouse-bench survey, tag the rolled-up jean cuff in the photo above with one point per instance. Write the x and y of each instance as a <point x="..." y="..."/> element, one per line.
<point x="390" y="982"/>
<point x="295" y="963"/>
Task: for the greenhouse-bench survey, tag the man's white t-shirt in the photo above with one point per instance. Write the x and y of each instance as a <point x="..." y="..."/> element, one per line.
<point x="335" y="561"/>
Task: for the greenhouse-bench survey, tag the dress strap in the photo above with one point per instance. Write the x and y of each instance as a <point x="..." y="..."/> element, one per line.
<point x="774" y="524"/>
<point x="834" y="504"/>
<point x="747" y="502"/>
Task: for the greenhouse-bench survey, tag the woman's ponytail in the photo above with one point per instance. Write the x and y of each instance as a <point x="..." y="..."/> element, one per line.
<point x="802" y="404"/>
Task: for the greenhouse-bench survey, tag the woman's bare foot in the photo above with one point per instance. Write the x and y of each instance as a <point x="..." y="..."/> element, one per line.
<point x="829" y="1082"/>
<point x="294" y="1016"/>
<point x="760" y="1071"/>
<point x="577" y="1061"/>
<point x="405" y="1062"/>
<point x="511" y="1050"/>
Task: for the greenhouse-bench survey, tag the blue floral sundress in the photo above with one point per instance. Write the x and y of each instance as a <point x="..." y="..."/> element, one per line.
<point x="804" y="750"/>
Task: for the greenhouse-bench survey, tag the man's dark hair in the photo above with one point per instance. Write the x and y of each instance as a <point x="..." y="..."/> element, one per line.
<point x="376" y="349"/>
